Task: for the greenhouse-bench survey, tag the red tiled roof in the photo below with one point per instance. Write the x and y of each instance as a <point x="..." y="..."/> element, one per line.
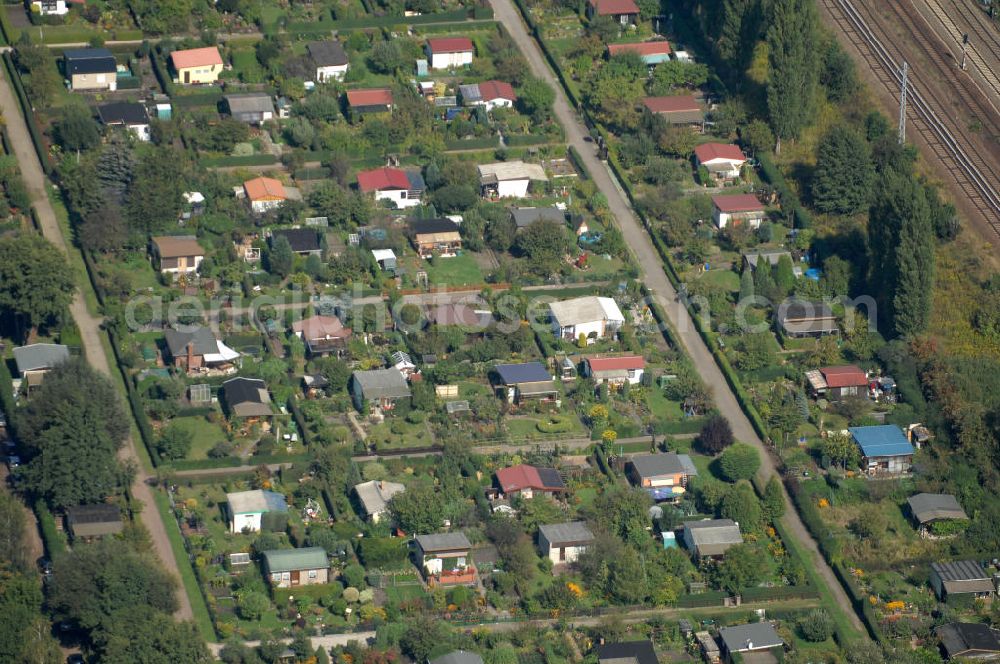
<point x="321" y="327"/>
<point x="658" y="47"/>
<point x="614" y="7"/>
<point x="523" y="476"/>
<point x="844" y="376"/>
<point x="737" y="203"/>
<point x="675" y="104"/>
<point x="616" y="363"/>
<point x="383" y="178"/>
<point x="450" y="45"/>
<point x="196" y="57"/>
<point x="264" y="189"/>
<point x="369" y="97"/>
<point x="709" y="151"/>
<point x="489" y="90"/>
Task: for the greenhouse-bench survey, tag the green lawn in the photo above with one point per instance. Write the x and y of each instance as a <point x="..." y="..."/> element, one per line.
<point x="662" y="407"/>
<point x="404" y="593"/>
<point x="724" y="278"/>
<point x="454" y="271"/>
<point x="206" y="435"/>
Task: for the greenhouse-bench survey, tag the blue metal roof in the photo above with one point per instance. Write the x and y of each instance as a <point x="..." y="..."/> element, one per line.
<point x="881" y="441"/>
<point x="529" y="372"/>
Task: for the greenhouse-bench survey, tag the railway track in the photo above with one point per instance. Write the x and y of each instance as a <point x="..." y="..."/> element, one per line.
<point x="970" y="170"/>
<point x="984" y="41"/>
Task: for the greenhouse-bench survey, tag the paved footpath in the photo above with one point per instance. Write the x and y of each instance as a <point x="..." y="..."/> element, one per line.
<point x="663" y="292"/>
<point x="90" y="325"/>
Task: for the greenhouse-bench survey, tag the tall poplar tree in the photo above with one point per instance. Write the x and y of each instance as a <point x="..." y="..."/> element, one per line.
<point x="794" y="59"/>
<point x="901" y="244"/>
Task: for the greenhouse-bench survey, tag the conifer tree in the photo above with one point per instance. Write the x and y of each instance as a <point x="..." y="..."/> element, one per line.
<point x="794" y="60"/>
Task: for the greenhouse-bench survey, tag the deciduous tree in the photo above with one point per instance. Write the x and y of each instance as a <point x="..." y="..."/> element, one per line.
<point x="71" y="430"/>
<point x="715" y="436"/>
<point x="36" y="283"/>
<point x="143" y="634"/>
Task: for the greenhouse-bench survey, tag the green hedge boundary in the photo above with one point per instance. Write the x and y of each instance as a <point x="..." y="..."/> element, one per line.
<point x="235" y="462"/>
<point x="189" y="578"/>
<point x="26" y="112"/>
<point x="54" y="543"/>
<point x="245" y="160"/>
<point x="324" y="27"/>
<point x="484" y="143"/>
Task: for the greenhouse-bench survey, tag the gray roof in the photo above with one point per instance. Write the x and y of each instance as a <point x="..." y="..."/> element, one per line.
<point x="382" y="383"/>
<point x="932" y="506"/>
<point x="457" y="657"/>
<point x="526" y="216"/>
<point x="654" y="465"/>
<point x="443" y="542"/>
<point x="713" y="536"/>
<point x="247" y="502"/>
<point x="753" y="636"/>
<point x="40" y="356"/>
<point x="327" y="53"/>
<point x="291" y="560"/>
<point x="575" y="532"/>
<point x="960" y="570"/>
<point x="968" y="639"/>
<point x="254" y="102"/>
<point x="203" y="338"/>
<point x="375" y="495"/>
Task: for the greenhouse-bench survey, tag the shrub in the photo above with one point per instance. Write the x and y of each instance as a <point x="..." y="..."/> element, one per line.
<point x="351" y="595"/>
<point x="816" y="626"/>
<point x="739" y="462"/>
<point x="354" y="575"/>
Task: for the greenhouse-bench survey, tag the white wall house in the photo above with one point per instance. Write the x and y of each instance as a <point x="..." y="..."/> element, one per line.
<point x="330" y="60"/>
<point x="403" y="188"/>
<point x="593" y="317"/>
<point x="448" y="52"/>
<point x="509" y="179"/>
<point x="563" y="543"/>
<point x="737" y="209"/>
<point x="49" y="7"/>
<point x="722" y="160"/>
<point x="247" y="508"/>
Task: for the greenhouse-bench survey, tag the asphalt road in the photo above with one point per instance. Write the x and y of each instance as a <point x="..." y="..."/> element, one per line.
<point x="663" y="292"/>
<point x="89" y="325"/>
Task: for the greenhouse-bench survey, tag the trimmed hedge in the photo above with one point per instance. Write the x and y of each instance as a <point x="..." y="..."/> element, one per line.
<point x="529" y="139"/>
<point x="324" y="27"/>
<point x="483" y="143"/>
<point x="26" y="112"/>
<point x="161" y="73"/>
<point x="244" y="160"/>
<point x="231" y="462"/>
<point x="209" y="97"/>
<point x="54" y="543"/>
<point x="758" y="594"/>
<point x="711" y="598"/>
<point x="577" y="160"/>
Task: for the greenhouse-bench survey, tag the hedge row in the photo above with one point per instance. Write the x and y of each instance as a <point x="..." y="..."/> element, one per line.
<point x="758" y="594"/>
<point x="528" y="139"/>
<point x="29" y="116"/>
<point x="315" y="27"/>
<point x="162" y="75"/>
<point x="134" y="401"/>
<point x="711" y="598"/>
<point x="789" y="200"/>
<point x="230" y="462"/>
<point x="553" y="62"/>
<point x="7" y="404"/>
<point x="244" y="160"/>
<point x="482" y="143"/>
<point x="574" y="156"/>
<point x="54" y="543"/>
<point x="209" y="97"/>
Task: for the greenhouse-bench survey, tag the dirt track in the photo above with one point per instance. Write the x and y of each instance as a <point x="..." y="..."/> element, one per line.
<point x="656" y="281"/>
<point x="90" y="326"/>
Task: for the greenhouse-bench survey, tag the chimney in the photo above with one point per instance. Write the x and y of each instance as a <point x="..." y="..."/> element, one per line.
<point x="749" y="644"/>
